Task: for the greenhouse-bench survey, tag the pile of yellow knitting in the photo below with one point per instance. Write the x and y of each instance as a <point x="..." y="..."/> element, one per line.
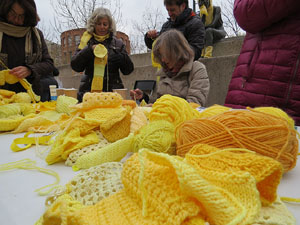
<point x="233" y="186"/>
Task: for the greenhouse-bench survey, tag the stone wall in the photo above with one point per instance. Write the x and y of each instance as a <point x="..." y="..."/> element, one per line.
<point x="219" y="69"/>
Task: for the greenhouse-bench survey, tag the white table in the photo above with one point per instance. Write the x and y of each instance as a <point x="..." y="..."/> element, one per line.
<point x="20" y="205"/>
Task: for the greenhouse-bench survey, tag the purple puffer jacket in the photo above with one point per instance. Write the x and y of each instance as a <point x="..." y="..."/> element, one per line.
<point x="267" y="72"/>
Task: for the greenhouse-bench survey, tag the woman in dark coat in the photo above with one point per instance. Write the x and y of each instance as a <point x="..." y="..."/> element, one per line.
<point x="101" y="30"/>
<point x="22" y="46"/>
<point x="267" y="72"/>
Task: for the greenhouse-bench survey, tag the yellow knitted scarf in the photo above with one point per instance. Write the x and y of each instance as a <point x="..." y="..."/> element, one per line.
<point x="99" y="62"/>
<point x="208" y="12"/>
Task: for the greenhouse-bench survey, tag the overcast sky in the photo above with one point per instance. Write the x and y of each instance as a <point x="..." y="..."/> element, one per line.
<point x="131" y="10"/>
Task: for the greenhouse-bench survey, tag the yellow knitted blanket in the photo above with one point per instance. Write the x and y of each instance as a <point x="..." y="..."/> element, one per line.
<point x="206" y="186"/>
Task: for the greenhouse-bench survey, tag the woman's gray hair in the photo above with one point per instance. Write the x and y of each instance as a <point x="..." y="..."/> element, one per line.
<point x="174" y="46"/>
<point x="98" y="14"/>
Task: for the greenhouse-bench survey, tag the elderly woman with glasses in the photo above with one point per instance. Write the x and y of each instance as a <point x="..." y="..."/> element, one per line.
<point x="22" y="47"/>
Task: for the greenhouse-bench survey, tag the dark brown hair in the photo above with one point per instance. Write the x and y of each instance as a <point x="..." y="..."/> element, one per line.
<point x="173" y="46"/>
<point x="177" y="2"/>
<point x="29" y="7"/>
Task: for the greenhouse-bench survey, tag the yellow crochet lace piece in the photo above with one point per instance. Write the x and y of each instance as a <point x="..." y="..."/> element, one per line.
<point x="276" y="213"/>
<point x="96" y="183"/>
<point x="99" y="100"/>
<point x="28" y="164"/>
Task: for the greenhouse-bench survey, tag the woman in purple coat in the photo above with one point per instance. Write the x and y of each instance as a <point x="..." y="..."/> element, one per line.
<point x="267" y="72"/>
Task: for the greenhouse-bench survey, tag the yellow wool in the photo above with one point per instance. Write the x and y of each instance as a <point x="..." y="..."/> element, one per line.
<point x="37" y="124"/>
<point x="22" y="97"/>
<point x="45" y="106"/>
<point x="113" y="152"/>
<point x="6" y="93"/>
<point x="276" y="112"/>
<point x="84" y="125"/>
<point x="96" y="183"/>
<point x="276" y="213"/>
<point x="118" y="130"/>
<point x="266" y="171"/>
<point x="73" y="156"/>
<point x="99" y="100"/>
<point x="67" y="142"/>
<point x="64" y="205"/>
<point x="172" y="109"/>
<point x="158" y="136"/>
<point x="263" y="133"/>
<point x="12" y="122"/>
<point x="163" y="189"/>
<point x="63" y="104"/>
<point x="214" y="110"/>
<point x="106" y="117"/>
<point x="138" y="119"/>
<point x="10" y="110"/>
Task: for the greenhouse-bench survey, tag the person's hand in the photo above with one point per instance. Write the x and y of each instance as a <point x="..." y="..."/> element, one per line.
<point x="115" y="59"/>
<point x="136" y="94"/>
<point x="152" y="34"/>
<point x="20" y="72"/>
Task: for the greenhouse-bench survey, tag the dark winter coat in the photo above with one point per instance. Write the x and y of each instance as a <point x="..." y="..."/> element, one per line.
<point x="267" y="72"/>
<point x="13" y="55"/>
<point x="192" y="28"/>
<point x="118" y="59"/>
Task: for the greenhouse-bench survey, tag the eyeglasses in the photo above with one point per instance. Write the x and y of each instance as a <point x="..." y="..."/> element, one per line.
<point x="16" y="15"/>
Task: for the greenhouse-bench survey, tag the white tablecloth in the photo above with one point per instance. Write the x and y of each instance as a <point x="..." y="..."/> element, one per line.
<point x="20" y="205"/>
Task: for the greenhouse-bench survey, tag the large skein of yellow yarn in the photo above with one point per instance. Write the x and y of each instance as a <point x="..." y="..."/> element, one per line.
<point x="173" y="109"/>
<point x="158" y="136"/>
<point x="261" y="132"/>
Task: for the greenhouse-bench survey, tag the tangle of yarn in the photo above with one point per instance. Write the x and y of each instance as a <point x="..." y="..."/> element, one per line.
<point x="158" y="136"/>
<point x="263" y="133"/>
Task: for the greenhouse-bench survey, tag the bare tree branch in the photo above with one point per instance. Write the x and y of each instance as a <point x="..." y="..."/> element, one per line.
<point x="231" y="26"/>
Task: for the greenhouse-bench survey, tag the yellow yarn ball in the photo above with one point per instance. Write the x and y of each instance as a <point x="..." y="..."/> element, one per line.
<point x="276" y="112"/>
<point x="173" y="109"/>
<point x="214" y="110"/>
<point x="158" y="136"/>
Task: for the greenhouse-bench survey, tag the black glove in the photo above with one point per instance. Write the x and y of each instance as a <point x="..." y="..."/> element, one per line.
<point x="115" y="59"/>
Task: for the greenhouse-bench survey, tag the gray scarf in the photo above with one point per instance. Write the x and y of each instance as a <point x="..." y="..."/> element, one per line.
<point x="17" y="31"/>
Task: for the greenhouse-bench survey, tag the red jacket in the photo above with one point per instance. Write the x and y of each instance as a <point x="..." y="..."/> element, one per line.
<point x="267" y="72"/>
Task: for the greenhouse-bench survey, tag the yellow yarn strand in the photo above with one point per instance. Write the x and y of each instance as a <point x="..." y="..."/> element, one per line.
<point x="28" y="164"/>
<point x="287" y="199"/>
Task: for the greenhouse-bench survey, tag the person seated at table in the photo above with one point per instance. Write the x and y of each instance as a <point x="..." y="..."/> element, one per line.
<point x="101" y="73"/>
<point x="23" y="49"/>
<point x="180" y="75"/>
<point x="214" y="31"/>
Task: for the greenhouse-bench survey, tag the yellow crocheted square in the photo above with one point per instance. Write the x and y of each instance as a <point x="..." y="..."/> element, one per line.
<point x="118" y="130"/>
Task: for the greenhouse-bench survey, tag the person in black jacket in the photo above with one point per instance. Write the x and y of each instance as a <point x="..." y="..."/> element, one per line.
<point x="101" y="73"/>
<point x="22" y="46"/>
<point x="185" y="20"/>
<point x="214" y="31"/>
